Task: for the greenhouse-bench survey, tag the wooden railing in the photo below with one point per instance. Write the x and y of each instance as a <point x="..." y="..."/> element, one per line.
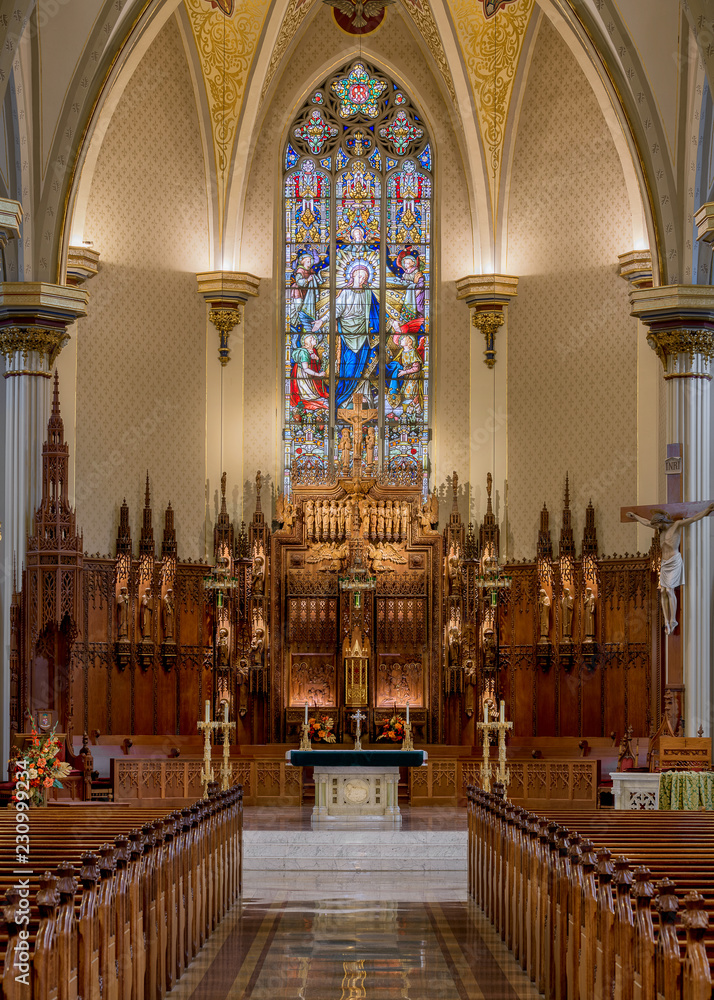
<point x="580" y="924"/>
<point x="147" y="902"/>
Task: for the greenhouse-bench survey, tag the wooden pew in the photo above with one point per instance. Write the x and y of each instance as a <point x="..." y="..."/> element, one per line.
<point x="124" y="930"/>
<point x="575" y="908"/>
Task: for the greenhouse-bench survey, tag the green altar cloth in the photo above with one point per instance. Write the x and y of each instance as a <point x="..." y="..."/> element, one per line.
<point x="686" y="790"/>
<point x="356" y="758"/>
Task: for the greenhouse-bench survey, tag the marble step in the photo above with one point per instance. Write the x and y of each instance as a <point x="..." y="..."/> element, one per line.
<point x="354" y="851"/>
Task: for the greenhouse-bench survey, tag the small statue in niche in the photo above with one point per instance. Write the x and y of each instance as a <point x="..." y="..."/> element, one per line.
<point x="340" y="520"/>
<point x="566" y="612"/>
<point x="258" y="570"/>
<point x="453" y="570"/>
<point x="430" y="513"/>
<point x="363" y="508"/>
<point x="388" y="518"/>
<point x="405" y="519"/>
<point x="123" y="613"/>
<point x="373" y="513"/>
<point x="369" y="445"/>
<point x="333" y="519"/>
<point x="589" y="614"/>
<point x="169" y="615"/>
<point x="310" y="519"/>
<point x="345" y="449"/>
<point x="147" y="614"/>
<point x="380" y="518"/>
<point x="325" y="515"/>
<point x="453" y="638"/>
<point x="544" y="614"/>
<point x="490" y="656"/>
<point x="284" y="511"/>
<point x="257" y="643"/>
<point x="223" y="653"/>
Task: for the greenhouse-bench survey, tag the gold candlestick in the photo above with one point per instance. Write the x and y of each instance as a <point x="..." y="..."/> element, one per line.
<point x="305" y="738"/>
<point x="407" y="742"/>
<point x="226" y="727"/>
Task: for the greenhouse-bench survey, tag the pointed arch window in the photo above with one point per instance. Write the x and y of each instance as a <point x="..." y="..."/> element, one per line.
<point x="358" y="249"/>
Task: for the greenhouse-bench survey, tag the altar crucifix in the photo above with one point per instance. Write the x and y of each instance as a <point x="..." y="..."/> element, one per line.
<point x="357" y="417"/>
<point x="358" y="718"/>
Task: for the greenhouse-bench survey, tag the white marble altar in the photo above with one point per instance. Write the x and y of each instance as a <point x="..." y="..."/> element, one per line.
<point x="635" y="790"/>
<point x="364" y="792"/>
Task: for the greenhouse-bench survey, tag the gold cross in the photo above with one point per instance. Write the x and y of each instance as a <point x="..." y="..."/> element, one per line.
<point x="357" y="417"/>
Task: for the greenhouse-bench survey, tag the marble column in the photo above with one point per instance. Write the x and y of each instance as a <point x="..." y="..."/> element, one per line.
<point x="225" y="293"/>
<point x="680" y="320"/>
<point x="487" y="296"/>
<point x="34" y="318"/>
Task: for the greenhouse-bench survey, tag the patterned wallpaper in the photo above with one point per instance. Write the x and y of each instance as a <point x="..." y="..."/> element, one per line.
<point x="141" y="379"/>
<point x="394" y="47"/>
<point x="572" y="344"/>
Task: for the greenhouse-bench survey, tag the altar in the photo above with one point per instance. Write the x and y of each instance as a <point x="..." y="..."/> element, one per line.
<point x="352" y="784"/>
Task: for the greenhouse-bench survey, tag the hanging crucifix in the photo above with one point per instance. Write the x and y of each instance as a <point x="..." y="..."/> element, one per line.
<point x="357" y="417"/>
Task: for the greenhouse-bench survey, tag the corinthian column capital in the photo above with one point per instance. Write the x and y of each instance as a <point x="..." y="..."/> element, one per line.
<point x="488" y="296"/>
<point x="226" y="292"/>
<point x="34" y="317"/>
<point x="680" y="320"/>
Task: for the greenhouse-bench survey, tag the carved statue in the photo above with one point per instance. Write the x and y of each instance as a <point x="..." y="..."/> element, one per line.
<point x="566" y="613"/>
<point x="348" y="517"/>
<point x="147" y="614"/>
<point x="169" y="615"/>
<point x="453" y="570"/>
<point x="257" y="643"/>
<point x="345" y="449"/>
<point x="380" y="518"/>
<point x="405" y="519"/>
<point x="340" y="520"/>
<point x="223" y="653"/>
<point x="373" y="520"/>
<point x="388" y="519"/>
<point x="123" y="613"/>
<point x="490" y="655"/>
<point x="589" y="614"/>
<point x="364" y="518"/>
<point x="671" y="572"/>
<point x="333" y="519"/>
<point x="369" y="445"/>
<point x="544" y="610"/>
<point x="325" y="515"/>
<point x="381" y="554"/>
<point x="310" y="519"/>
<point x="453" y="638"/>
<point x="430" y="513"/>
<point x="329" y="552"/>
<point x="258" y="570"/>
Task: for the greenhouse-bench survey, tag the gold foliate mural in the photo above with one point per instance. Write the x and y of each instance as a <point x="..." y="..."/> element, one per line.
<point x="294" y="16"/>
<point x="422" y="15"/>
<point x="491" y="47"/>
<point x="226" y="46"/>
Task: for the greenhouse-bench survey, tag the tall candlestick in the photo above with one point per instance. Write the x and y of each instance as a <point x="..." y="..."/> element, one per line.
<point x="305" y="713"/>
<point x="225" y="711"/>
<point x="503" y="711"/>
<point x="407" y="712"/>
<point x="208" y="711"/>
<point x="485" y="711"/>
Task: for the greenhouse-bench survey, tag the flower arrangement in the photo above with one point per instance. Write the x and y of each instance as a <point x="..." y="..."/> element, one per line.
<point x="322" y="729"/>
<point x="392" y="729"/>
<point x="37" y="765"/>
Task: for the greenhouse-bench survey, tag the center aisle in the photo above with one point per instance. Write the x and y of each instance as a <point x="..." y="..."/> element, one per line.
<point x="385" y="918"/>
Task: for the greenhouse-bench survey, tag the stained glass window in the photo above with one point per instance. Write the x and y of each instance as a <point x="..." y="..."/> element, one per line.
<point x="357" y="277"/>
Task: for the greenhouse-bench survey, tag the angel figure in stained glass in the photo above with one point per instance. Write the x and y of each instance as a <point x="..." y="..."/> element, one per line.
<point x="308" y="376"/>
<point x="403" y="383"/>
<point x="305" y="289"/>
<point x="407" y="188"/>
<point x="406" y="268"/>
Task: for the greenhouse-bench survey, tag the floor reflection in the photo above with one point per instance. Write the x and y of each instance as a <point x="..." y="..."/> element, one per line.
<point x="337" y="949"/>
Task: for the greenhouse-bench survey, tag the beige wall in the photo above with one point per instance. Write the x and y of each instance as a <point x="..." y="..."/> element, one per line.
<point x="141" y="368"/>
<point x="572" y="358"/>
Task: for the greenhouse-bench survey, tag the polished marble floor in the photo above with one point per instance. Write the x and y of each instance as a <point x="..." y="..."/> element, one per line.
<point x="345" y="950"/>
<point x="337" y="935"/>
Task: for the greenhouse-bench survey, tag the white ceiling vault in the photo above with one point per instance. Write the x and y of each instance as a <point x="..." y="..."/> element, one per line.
<point x="65" y="63"/>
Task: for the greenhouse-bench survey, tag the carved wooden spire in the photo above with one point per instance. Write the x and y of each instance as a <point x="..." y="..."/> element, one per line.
<point x="589" y="532"/>
<point x="567" y="542"/>
<point x="489" y="533"/>
<point x="124" y="533"/>
<point x="168" y="545"/>
<point x="223" y="531"/>
<point x="146" y="542"/>
<point x="545" y="545"/>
